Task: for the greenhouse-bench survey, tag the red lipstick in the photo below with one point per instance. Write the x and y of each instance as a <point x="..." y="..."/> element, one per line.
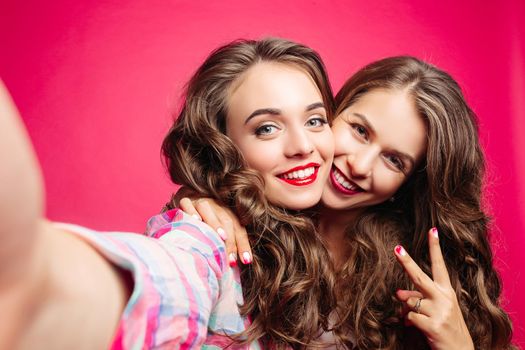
<point x="302" y="175"/>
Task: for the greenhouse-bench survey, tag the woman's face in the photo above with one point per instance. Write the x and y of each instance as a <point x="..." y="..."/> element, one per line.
<point x="379" y="141"/>
<point x="277" y="119"/>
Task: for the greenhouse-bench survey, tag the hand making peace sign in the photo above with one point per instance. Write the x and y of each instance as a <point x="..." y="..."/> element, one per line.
<point x="434" y="307"/>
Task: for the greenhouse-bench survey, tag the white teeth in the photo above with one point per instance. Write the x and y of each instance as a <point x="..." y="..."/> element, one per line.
<point x="343" y="182"/>
<point x="300" y="174"/>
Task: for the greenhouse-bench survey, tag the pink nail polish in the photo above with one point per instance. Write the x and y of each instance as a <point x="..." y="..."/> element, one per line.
<point x="232" y="259"/>
<point x="434" y="232"/>
<point x="246" y="258"/>
<point x="400" y="250"/>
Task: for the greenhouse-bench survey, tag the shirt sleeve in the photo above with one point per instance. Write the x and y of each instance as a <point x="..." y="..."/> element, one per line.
<point x="180" y="275"/>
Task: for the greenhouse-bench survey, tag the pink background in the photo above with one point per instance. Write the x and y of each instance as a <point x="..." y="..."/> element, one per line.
<point x="96" y="82"/>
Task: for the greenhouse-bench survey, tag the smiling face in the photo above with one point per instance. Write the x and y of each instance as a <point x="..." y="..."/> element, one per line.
<point x="277" y="119"/>
<point x="379" y="141"/>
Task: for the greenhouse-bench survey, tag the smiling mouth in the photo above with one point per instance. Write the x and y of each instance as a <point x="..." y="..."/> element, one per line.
<point x="301" y="176"/>
<point x="343" y="184"/>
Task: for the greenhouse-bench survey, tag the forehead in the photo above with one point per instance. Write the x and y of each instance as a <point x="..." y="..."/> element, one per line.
<point x="394" y="116"/>
<point x="272" y="84"/>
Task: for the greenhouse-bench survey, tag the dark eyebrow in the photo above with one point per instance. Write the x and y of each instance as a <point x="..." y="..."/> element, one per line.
<point x="272" y="111"/>
<point x="369" y="126"/>
<point x="315" y="106"/>
<point x="275" y="111"/>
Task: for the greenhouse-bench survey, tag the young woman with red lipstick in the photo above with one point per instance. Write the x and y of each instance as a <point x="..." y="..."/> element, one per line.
<point x="253" y="134"/>
<point x="174" y="289"/>
<point x="407" y="157"/>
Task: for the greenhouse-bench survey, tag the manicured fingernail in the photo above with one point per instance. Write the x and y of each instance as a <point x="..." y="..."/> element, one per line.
<point x="222" y="233"/>
<point x="246" y="258"/>
<point x="197" y="216"/>
<point x="400" y="250"/>
<point x="232" y="259"/>
<point x="434" y="232"/>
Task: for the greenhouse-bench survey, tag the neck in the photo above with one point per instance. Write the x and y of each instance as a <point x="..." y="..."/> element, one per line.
<point x="332" y="226"/>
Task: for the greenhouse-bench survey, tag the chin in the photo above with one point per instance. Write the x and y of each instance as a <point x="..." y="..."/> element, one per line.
<point x="297" y="204"/>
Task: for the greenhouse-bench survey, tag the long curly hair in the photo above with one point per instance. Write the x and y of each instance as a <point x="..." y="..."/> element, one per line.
<point x="288" y="289"/>
<point x="445" y="191"/>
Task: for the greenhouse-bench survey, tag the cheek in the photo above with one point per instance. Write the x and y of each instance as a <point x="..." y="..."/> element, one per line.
<point x="387" y="182"/>
<point x="344" y="143"/>
<point x="260" y="156"/>
<point x="325" y="144"/>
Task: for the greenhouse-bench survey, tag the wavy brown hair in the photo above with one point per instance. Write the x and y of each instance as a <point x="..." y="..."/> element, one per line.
<point x="445" y="191"/>
<point x="287" y="289"/>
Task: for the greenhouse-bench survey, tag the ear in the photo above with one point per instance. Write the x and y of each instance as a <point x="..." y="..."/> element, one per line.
<point x="21" y="189"/>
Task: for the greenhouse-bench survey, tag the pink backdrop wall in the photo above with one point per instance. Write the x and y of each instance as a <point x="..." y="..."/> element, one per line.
<point x="96" y="81"/>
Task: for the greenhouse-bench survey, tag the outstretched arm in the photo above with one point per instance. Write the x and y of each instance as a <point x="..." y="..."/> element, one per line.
<point x="20" y="211"/>
<point x="20" y="194"/>
<point x="41" y="289"/>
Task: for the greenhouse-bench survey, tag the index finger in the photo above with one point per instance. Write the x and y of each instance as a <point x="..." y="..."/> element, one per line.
<point x="237" y="242"/>
<point x="439" y="268"/>
<point x="420" y="279"/>
<point x="243" y="244"/>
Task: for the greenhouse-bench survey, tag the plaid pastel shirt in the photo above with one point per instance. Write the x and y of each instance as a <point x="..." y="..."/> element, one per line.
<point x="185" y="295"/>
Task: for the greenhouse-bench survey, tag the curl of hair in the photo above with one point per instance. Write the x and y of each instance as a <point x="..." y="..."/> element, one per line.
<point x="445" y="191"/>
<point x="289" y="274"/>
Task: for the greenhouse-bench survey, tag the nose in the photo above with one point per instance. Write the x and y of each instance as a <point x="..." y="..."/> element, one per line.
<point x="361" y="163"/>
<point x="299" y="143"/>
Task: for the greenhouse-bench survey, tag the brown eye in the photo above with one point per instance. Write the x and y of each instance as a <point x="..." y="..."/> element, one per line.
<point x="360" y="130"/>
<point x="395" y="161"/>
